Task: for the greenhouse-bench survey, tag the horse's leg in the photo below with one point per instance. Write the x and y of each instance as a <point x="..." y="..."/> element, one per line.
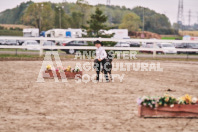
<point x="110" y="75"/>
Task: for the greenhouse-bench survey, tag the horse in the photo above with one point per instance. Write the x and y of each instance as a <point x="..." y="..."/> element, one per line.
<point x="108" y="62"/>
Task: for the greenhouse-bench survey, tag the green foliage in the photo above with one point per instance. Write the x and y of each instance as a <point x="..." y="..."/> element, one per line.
<point x="5" y="32"/>
<point x="97" y="22"/>
<point x="38" y="16"/>
<point x="7" y="56"/>
<point x="154" y="102"/>
<point x="76" y="20"/>
<point x="83" y="10"/>
<point x="154" y="22"/>
<point x="10" y="32"/>
<point x="172" y="38"/>
<point x="16" y="29"/>
<point x="60" y="15"/>
<point x="76" y="15"/>
<point x="1" y="27"/>
<point x="12" y="16"/>
<point x="131" y="22"/>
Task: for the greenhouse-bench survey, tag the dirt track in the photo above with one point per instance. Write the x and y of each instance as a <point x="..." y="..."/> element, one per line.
<point x="26" y="105"/>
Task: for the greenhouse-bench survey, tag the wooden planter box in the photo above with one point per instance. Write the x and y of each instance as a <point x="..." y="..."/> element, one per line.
<point x="176" y="111"/>
<point x="71" y="75"/>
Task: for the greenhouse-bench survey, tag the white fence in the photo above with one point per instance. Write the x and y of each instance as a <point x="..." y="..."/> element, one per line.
<point x="42" y="39"/>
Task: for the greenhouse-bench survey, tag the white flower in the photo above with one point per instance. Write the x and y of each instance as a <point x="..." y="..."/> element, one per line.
<point x="194" y="100"/>
<point x="172" y="105"/>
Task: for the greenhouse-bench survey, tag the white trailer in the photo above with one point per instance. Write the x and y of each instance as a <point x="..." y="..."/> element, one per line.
<point x="31" y="32"/>
<point x="55" y="33"/>
<point x="187" y="37"/>
<point x="118" y="33"/>
<point x="64" y="33"/>
<point x="74" y="33"/>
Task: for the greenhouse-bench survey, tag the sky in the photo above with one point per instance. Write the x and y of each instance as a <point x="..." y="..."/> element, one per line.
<point x="167" y="7"/>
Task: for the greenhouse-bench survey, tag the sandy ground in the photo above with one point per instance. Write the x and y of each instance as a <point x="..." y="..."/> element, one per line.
<point x="26" y="105"/>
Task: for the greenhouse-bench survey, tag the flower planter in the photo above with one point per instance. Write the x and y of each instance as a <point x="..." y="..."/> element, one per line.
<point x="167" y="111"/>
<point x="48" y="74"/>
<point x="72" y="75"/>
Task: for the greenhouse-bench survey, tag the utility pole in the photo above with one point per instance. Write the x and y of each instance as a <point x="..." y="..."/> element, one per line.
<point x="108" y="2"/>
<point x="108" y="13"/>
<point x="189" y="17"/>
<point x="40" y="6"/>
<point x="142" y="36"/>
<point x="60" y="15"/>
<point x="180" y="14"/>
<point x="197" y="17"/>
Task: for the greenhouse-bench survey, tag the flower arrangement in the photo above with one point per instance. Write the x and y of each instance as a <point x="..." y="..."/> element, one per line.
<point x="62" y="69"/>
<point x="49" y="67"/>
<point x="187" y="99"/>
<point x="166" y="100"/>
<point x="76" y="69"/>
<point x="68" y="69"/>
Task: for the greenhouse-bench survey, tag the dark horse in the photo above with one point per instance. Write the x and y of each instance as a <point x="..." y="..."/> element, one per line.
<point x="108" y="62"/>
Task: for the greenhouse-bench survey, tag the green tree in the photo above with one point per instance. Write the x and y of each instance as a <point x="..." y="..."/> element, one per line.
<point x="61" y="19"/>
<point x="75" y="20"/>
<point x="84" y="10"/>
<point x="131" y="22"/>
<point x="96" y="22"/>
<point x="39" y="15"/>
<point x="13" y="16"/>
<point x="154" y="22"/>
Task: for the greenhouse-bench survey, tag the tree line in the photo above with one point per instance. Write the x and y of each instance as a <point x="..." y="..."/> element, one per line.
<point x="49" y="15"/>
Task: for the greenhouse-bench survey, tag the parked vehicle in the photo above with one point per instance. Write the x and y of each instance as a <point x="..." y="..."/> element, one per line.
<point x="49" y="43"/>
<point x="117" y="33"/>
<point x="73" y="43"/>
<point x="55" y="33"/>
<point x="2" y="41"/>
<point x="150" y="46"/>
<point x="146" y="43"/>
<point x="20" y="42"/>
<point x="31" y="45"/>
<point x="122" y="44"/>
<point x="168" y="48"/>
<point x="31" y="32"/>
<point x="187" y="46"/>
<point x="42" y="34"/>
<point x="11" y="42"/>
<point x="64" y="33"/>
<point x="134" y="44"/>
<point x="176" y="44"/>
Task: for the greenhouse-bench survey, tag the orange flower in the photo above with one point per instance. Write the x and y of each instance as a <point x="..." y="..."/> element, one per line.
<point x="188" y="99"/>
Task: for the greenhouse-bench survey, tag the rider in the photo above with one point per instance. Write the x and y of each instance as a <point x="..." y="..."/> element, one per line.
<point x="101" y="56"/>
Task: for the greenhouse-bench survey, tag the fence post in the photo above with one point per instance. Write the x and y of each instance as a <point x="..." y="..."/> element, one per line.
<point x="41" y="47"/>
<point x="154" y="51"/>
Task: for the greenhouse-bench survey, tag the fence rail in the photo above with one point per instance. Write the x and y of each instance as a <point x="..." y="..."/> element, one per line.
<point x="42" y="39"/>
<point x="101" y="39"/>
<point x="93" y="48"/>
